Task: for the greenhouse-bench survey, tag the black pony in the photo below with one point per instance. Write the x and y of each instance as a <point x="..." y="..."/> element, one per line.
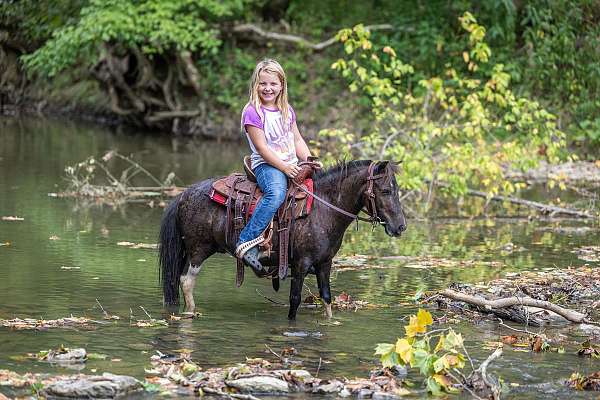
<point x="193" y="229"/>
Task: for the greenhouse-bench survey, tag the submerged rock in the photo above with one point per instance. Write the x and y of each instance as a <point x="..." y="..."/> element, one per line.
<point x="328" y="388"/>
<point x="259" y="384"/>
<point x="62" y="356"/>
<point x="106" y="386"/>
<point x="300" y="374"/>
<point x="384" y="396"/>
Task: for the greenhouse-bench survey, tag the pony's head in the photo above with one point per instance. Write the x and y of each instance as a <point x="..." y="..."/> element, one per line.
<point x="386" y="198"/>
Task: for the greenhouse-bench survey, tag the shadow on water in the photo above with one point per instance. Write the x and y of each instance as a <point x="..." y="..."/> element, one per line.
<point x="49" y="278"/>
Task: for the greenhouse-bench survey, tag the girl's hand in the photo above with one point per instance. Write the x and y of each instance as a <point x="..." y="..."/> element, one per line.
<point x="291" y="170"/>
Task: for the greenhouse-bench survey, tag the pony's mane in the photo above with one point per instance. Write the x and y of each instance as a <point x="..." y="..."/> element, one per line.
<point x="340" y="170"/>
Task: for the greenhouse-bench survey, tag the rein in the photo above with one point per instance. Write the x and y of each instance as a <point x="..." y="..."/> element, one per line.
<point x="369" y="194"/>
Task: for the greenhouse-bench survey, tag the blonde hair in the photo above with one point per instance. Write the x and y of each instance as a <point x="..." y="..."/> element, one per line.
<point x="272" y="67"/>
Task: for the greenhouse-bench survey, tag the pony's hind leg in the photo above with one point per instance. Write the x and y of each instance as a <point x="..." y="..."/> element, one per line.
<point x="188" y="279"/>
<point x="188" y="283"/>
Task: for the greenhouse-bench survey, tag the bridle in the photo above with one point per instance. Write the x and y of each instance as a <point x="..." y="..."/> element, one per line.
<point x="368" y="198"/>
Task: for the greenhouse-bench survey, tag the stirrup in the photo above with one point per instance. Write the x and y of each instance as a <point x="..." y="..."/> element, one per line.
<point x="244" y="247"/>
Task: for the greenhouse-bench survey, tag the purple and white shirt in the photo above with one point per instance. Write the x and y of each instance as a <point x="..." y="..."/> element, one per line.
<point x="279" y="140"/>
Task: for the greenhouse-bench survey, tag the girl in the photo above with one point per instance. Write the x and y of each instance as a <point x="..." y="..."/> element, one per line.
<point x="269" y="123"/>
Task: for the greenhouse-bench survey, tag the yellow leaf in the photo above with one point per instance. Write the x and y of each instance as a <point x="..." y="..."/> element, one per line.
<point x="414" y="327"/>
<point x="440" y="344"/>
<point x="454" y="361"/>
<point x="424" y="318"/>
<point x="442" y="380"/>
<point x="404" y="349"/>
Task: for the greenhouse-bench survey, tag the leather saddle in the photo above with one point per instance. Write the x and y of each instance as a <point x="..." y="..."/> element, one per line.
<point x="240" y="194"/>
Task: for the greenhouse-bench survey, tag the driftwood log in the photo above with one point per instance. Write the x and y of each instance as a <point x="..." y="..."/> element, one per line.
<point x="494" y="305"/>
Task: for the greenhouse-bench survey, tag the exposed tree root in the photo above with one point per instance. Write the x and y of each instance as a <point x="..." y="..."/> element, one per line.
<point x="146" y="90"/>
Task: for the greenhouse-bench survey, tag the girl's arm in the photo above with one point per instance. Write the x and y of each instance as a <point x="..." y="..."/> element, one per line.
<point x="260" y="143"/>
<point x="302" y="151"/>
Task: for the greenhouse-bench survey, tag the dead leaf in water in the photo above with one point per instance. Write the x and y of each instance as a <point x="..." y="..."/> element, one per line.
<point x="54" y="237"/>
<point x="580" y="382"/>
<point x="511" y="339"/>
<point x="588" y="350"/>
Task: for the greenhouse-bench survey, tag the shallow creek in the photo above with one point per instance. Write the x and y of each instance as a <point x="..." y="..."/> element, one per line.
<point x="64" y="255"/>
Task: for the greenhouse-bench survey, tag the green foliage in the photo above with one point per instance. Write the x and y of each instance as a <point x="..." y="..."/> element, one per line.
<point x="36" y="388"/>
<point x="562" y="39"/>
<point x="153" y="26"/>
<point x="547" y="48"/>
<point x="36" y="20"/>
<point x="414" y="350"/>
<point x="464" y="129"/>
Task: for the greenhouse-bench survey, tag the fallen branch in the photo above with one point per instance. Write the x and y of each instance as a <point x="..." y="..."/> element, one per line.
<point x="273" y="352"/>
<point x="569" y="315"/>
<point x="501" y="323"/>
<point x="298" y="40"/>
<point x="162" y="115"/>
<point x="482" y="383"/>
<point x="269" y="299"/>
<point x="543" y="208"/>
<point x="483" y="367"/>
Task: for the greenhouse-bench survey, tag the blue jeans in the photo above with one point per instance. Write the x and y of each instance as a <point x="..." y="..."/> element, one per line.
<point x="273" y="184"/>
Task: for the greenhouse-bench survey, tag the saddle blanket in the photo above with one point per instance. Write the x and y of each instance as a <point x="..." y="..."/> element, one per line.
<point x="222" y="199"/>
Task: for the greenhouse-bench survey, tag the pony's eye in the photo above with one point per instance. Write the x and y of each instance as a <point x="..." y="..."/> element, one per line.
<point x="386" y="191"/>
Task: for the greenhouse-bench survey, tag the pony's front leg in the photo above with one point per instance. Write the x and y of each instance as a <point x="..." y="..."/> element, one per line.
<point x="323" y="272"/>
<point x="188" y="283"/>
<point x="296" y="291"/>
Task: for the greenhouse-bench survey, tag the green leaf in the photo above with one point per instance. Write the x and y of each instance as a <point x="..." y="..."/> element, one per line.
<point x="433" y="387"/>
<point x="453" y="340"/>
<point x="390" y="359"/>
<point x="383" y="348"/>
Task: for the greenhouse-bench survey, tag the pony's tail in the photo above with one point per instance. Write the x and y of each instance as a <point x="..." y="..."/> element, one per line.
<point x="172" y="255"/>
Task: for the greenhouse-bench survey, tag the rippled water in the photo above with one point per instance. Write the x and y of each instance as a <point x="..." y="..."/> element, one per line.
<point x="236" y="323"/>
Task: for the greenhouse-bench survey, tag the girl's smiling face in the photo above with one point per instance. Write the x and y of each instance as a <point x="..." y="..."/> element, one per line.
<point x="269" y="87"/>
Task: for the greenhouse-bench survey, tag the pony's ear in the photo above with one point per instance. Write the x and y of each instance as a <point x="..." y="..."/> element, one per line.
<point x="381" y="166"/>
